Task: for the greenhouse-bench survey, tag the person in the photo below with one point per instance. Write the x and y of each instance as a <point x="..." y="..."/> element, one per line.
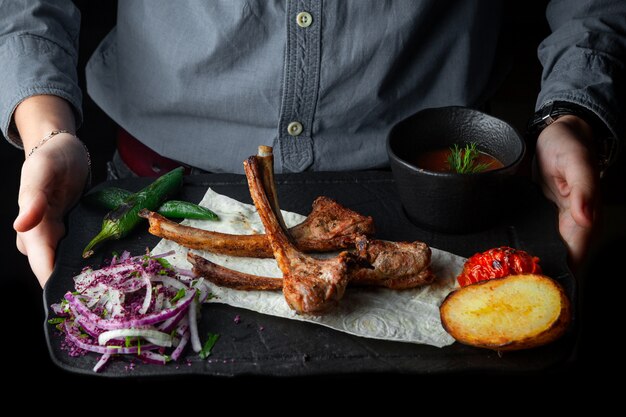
<point x="204" y="83"/>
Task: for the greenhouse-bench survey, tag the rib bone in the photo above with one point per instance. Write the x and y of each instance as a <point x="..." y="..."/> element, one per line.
<point x="230" y="278"/>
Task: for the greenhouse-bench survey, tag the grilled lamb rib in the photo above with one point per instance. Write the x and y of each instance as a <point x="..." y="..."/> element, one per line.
<point x="380" y="274"/>
<point x="395" y="265"/>
<point x="310" y="285"/>
<point x="329" y="227"/>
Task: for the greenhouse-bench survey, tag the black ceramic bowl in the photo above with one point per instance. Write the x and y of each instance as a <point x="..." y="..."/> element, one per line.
<point x="451" y="202"/>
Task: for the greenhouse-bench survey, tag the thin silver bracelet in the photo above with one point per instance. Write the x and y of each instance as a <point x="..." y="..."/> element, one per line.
<point x="57" y="132"/>
<point x="47" y="138"/>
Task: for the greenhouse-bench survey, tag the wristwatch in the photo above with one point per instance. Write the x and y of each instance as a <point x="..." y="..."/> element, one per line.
<point x="605" y="143"/>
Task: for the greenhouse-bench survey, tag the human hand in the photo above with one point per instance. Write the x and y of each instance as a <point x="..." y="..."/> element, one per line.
<point x="52" y="180"/>
<point x="567" y="172"/>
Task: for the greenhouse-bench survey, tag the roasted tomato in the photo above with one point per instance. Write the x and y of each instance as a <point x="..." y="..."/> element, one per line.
<point x="498" y="263"/>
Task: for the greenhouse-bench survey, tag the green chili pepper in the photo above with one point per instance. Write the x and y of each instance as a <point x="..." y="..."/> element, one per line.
<point x="175" y="209"/>
<point x="111" y="197"/>
<point x="107" y="198"/>
<point x="120" y="221"/>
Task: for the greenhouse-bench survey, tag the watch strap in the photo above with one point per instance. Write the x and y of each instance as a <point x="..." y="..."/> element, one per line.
<point x="605" y="143"/>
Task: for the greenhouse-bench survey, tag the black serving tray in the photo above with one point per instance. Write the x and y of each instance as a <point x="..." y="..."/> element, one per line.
<point x="267" y="345"/>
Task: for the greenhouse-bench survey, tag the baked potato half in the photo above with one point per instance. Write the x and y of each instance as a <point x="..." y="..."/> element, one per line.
<point x="515" y="312"/>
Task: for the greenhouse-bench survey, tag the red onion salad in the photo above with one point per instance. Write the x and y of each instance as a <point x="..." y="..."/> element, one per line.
<point x="140" y="306"/>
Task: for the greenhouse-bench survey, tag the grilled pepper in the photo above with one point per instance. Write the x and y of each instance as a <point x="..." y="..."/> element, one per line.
<point x="111" y="197"/>
<point x="107" y="198"/>
<point x="175" y="209"/>
<point x="123" y="219"/>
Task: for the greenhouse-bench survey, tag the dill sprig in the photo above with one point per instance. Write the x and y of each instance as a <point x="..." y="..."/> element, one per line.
<point x="462" y="160"/>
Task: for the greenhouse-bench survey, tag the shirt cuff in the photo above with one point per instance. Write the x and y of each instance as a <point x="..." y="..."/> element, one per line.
<point x="33" y="66"/>
<point x="589" y="83"/>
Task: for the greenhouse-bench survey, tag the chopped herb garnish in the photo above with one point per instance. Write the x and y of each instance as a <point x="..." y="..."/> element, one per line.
<point x="180" y="294"/>
<point x="138" y="346"/>
<point x="462" y="160"/>
<point x="164" y="263"/>
<point x="105" y="312"/>
<point x="210" y="296"/>
<point x="128" y="341"/>
<point x="56" y="320"/>
<point x="208" y="345"/>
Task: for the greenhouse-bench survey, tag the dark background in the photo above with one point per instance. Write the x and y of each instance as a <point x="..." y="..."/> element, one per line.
<point x="26" y="355"/>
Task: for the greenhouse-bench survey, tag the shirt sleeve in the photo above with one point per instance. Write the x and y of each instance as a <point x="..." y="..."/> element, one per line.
<point x="583" y="59"/>
<point x="38" y="55"/>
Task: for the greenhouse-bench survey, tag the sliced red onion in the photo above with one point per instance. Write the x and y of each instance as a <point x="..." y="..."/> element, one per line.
<point x="57" y="308"/>
<point x="193" y="326"/>
<point x="170" y="282"/>
<point x="103" y="360"/>
<point x="169" y="324"/>
<point x="114" y="303"/>
<point x="184" y="272"/>
<point x="153" y="357"/>
<point x="106" y="290"/>
<point x="183" y="328"/>
<point x="164" y="254"/>
<point x="203" y="289"/>
<point x="94" y="295"/>
<point x="154" y="336"/>
<point x="149" y="319"/>
<point x="148" y="298"/>
<point x="87" y="326"/>
<point x="181" y="346"/>
<point x="132" y="285"/>
<point x="102" y="349"/>
<point x="158" y="302"/>
<point x="87" y="278"/>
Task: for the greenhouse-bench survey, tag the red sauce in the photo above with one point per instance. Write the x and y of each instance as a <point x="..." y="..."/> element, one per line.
<point x="437" y="160"/>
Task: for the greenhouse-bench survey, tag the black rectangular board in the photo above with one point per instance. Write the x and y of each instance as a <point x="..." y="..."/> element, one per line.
<point x="271" y="346"/>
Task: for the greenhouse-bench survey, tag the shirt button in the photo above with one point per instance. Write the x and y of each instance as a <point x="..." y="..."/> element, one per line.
<point x="294" y="128"/>
<point x="304" y="19"/>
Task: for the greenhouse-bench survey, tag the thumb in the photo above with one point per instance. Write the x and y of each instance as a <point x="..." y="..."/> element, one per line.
<point x="33" y="203"/>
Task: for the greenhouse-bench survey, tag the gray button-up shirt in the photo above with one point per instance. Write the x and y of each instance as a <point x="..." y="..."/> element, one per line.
<point x="205" y="82"/>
